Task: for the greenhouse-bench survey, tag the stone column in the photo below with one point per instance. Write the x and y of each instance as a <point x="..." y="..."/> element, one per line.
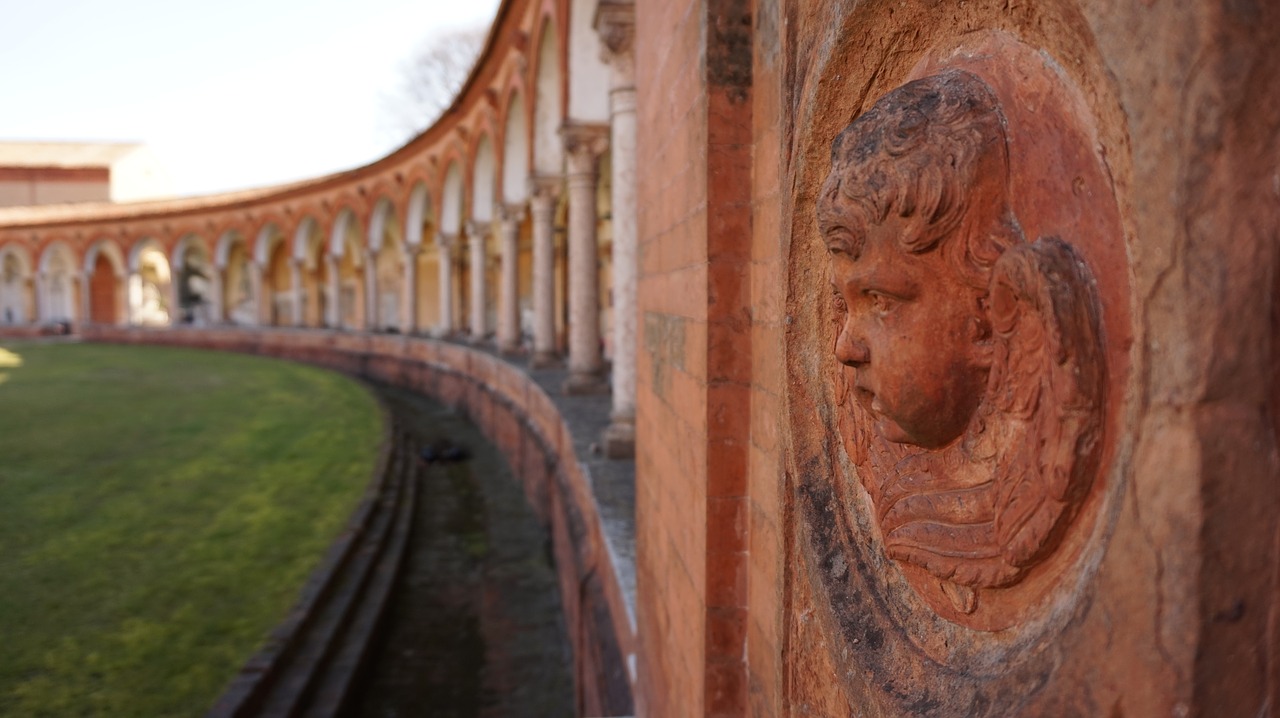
<point x="255" y="286"/>
<point x="82" y="281"/>
<point x="584" y="145"/>
<point x="175" y="294"/>
<point x="542" y="206"/>
<point x="477" y="238"/>
<point x="333" y="308"/>
<point x="509" y="309"/>
<point x="446" y="243"/>
<point x="218" y="314"/>
<point x="615" y="24"/>
<point x="371" y="293"/>
<point x="42" y="299"/>
<point x="297" y="291"/>
<point x="409" y="297"/>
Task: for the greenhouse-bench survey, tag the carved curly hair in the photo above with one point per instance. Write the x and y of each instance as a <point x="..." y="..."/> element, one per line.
<point x="929" y="151"/>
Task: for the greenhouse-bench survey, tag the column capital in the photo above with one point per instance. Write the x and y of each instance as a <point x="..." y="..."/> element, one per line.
<point x="477" y="228"/>
<point x="615" y="23"/>
<point x="446" y="241"/>
<point x="585" y="141"/>
<point x="545" y="187"/>
<point x="513" y="213"/>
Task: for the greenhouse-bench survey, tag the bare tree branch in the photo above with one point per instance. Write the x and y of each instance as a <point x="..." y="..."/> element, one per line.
<point x="431" y="78"/>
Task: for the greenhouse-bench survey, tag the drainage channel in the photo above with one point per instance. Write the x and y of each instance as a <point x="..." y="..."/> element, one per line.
<point x="473" y="626"/>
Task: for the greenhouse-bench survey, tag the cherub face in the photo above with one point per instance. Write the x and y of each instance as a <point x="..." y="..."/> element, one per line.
<point x="911" y="333"/>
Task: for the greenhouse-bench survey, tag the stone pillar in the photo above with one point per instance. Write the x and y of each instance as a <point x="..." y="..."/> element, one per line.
<point x="477" y="238"/>
<point x="218" y="314"/>
<point x="175" y="294"/>
<point x="615" y="24"/>
<point x="446" y="285"/>
<point x="409" y="297"/>
<point x="297" y="291"/>
<point x="584" y="145"/>
<point x="542" y="206"/>
<point x="509" y="309"/>
<point x="255" y="286"/>
<point x="42" y="299"/>
<point x="371" y="293"/>
<point x="82" y="281"/>
<point x="333" y="308"/>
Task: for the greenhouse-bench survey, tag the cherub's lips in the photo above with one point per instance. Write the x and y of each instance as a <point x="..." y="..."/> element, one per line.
<point x="867" y="399"/>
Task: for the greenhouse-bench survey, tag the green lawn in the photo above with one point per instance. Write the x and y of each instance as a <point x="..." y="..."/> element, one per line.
<point x="159" y="511"/>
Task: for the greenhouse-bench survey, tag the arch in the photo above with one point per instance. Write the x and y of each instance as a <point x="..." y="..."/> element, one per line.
<point x="237" y="293"/>
<point x="418" y="214"/>
<point x="451" y="201"/>
<point x="265" y="242"/>
<point x="56" y="283"/>
<point x="309" y="253"/>
<point x="15" y="281"/>
<point x="149" y="284"/>
<point x="58" y="249"/>
<point x="382" y="220"/>
<point x="515" y="152"/>
<point x="548" y="150"/>
<point x="387" y="259"/>
<point x="349" y="281"/>
<point x="111" y="251"/>
<point x="275" y="283"/>
<point x="222" y="252"/>
<point x="343" y="224"/>
<point x="303" y="238"/>
<point x="589" y="81"/>
<point x="190" y="242"/>
<point x="193" y="279"/>
<point x="21" y="257"/>
<point x="483" y="176"/>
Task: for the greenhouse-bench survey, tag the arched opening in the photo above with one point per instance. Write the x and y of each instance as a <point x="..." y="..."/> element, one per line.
<point x="515" y="195"/>
<point x="57" y="285"/>
<point x="149" y="279"/>
<point x="239" y="304"/>
<point x="548" y="152"/>
<point x="386" y="245"/>
<point x="104" y="265"/>
<point x="454" y="293"/>
<point x="482" y="260"/>
<point x="15" y="287"/>
<point x="272" y="254"/>
<point x="420" y="235"/>
<point x="345" y="246"/>
<point x="308" y="252"/>
<point x="194" y="276"/>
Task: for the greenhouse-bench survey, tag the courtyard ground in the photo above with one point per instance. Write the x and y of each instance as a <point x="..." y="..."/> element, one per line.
<point x="159" y="511"/>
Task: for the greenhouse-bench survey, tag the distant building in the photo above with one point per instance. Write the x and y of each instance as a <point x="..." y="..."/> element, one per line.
<point x="34" y="173"/>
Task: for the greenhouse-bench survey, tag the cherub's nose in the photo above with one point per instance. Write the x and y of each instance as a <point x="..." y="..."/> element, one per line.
<point x="851" y="350"/>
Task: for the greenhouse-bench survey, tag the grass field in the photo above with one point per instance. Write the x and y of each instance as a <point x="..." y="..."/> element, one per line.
<point x="159" y="511"/>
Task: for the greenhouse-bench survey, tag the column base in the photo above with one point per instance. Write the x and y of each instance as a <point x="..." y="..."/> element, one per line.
<point x="545" y="360"/>
<point x="584" y="383"/>
<point x="509" y="348"/>
<point x="619" y="440"/>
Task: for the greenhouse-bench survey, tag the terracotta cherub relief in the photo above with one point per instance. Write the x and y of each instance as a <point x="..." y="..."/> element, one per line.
<point x="973" y="382"/>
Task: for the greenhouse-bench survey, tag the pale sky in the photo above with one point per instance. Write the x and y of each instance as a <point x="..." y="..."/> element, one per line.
<point x="229" y="94"/>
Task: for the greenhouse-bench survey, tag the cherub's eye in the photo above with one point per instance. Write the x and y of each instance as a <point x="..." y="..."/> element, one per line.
<point x="882" y="303"/>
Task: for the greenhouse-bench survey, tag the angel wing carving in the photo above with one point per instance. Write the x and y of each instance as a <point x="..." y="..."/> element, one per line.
<point x="981" y="514"/>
